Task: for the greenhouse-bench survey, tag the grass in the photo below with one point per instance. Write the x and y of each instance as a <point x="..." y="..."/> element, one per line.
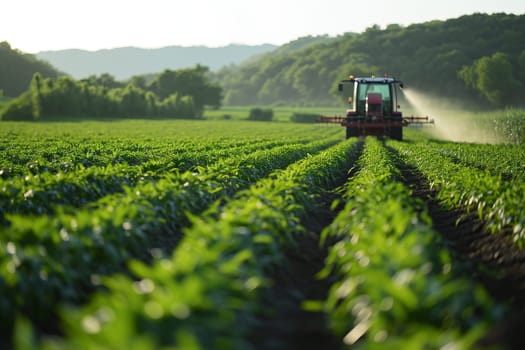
<point x="280" y="113"/>
<point x="453" y="124"/>
<point x="144" y="129"/>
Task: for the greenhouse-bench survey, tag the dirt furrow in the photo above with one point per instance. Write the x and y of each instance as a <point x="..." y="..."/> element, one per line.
<point x="283" y="323"/>
<point x="491" y="258"/>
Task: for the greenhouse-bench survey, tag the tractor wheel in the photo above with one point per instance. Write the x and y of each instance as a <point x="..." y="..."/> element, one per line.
<point x="397" y="133"/>
<point x="351" y="132"/>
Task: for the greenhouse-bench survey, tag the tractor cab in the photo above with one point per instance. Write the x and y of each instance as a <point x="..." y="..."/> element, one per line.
<point x="383" y="88"/>
<point x="373" y="107"/>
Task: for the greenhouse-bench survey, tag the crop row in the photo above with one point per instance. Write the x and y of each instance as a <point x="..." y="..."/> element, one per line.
<point x="31" y="148"/>
<point x="39" y="194"/>
<point x="47" y="259"/>
<point x="205" y="294"/>
<point x="498" y="202"/>
<point x="507" y="124"/>
<point x="505" y="160"/>
<point x="22" y="159"/>
<point x="396" y="288"/>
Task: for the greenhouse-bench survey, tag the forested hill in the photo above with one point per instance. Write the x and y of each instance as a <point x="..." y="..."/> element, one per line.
<point x="426" y="56"/>
<point x="125" y="62"/>
<point x="17" y="69"/>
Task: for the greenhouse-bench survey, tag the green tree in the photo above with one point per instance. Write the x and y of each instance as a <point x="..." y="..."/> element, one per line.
<point x="164" y="84"/>
<point x="139" y="81"/>
<point x="178" y="106"/>
<point x="36" y="98"/>
<point x="192" y="82"/>
<point x="19" y="108"/>
<point x="521" y="67"/>
<point x="492" y="76"/>
<point x="133" y="101"/>
<point x="105" y="80"/>
<point x="495" y="79"/>
<point x="151" y="103"/>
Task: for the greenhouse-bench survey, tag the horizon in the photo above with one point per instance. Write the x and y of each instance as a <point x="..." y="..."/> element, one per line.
<point x="158" y="48"/>
<point x="103" y="25"/>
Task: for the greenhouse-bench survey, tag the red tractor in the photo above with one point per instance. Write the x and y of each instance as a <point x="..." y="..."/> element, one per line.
<point x="374" y="108"/>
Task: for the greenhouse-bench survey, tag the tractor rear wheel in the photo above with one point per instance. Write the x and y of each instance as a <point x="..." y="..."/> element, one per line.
<point x="351" y="132"/>
<point x="396" y="133"/>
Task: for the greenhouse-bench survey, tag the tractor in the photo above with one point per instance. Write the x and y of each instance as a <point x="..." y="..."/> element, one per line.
<point x="373" y="108"/>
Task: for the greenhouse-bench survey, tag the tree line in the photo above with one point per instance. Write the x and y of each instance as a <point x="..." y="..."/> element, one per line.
<point x="180" y="93"/>
<point x="478" y="58"/>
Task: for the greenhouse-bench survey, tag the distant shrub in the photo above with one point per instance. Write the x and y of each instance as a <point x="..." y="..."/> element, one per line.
<point x="20" y="108"/>
<point x="261" y="114"/>
<point x="305" y="118"/>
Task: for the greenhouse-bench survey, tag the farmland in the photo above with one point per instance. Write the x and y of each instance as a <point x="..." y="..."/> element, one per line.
<point x="215" y="234"/>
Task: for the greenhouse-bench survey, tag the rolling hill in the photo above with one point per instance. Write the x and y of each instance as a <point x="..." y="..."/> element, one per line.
<point x="427" y="56"/>
<point x="125" y="62"/>
<point x="17" y="69"/>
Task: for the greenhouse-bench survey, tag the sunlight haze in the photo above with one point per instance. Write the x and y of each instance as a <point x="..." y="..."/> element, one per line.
<point x="35" y="25"/>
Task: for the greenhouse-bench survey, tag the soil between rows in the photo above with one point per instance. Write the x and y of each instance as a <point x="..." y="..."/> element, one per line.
<point x="491" y="259"/>
<point x="285" y="324"/>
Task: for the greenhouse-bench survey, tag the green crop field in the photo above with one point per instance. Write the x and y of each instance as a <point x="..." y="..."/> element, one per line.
<point x="280" y="113"/>
<point x="231" y="234"/>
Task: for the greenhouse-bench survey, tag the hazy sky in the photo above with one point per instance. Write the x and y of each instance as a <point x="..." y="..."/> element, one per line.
<point x="38" y="25"/>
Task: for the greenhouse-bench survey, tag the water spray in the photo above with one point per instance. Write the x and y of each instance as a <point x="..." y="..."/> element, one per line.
<point x="452" y="123"/>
